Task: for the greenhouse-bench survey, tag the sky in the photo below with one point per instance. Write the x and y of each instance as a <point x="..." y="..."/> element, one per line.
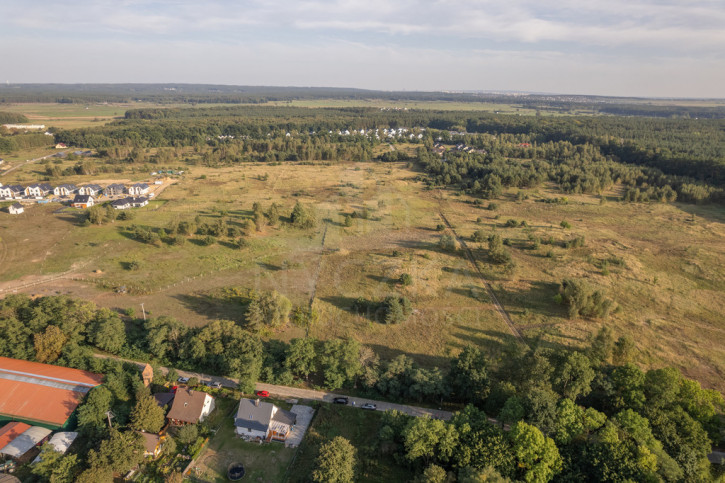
<point x="649" y="48"/>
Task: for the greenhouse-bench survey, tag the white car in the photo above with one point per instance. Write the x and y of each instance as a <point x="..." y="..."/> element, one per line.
<point x="183" y="380"/>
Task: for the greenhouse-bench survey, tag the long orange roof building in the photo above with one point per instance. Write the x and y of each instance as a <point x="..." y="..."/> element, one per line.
<point x="42" y="394"/>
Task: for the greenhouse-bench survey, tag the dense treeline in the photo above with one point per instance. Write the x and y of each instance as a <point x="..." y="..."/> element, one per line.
<point x="572" y="416"/>
<point x="670" y="152"/>
<point x="587" y="415"/>
<point x="15" y="142"/>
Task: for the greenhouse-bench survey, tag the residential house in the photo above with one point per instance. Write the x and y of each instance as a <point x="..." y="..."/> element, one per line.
<point x="262" y="421"/>
<point x="16" y="209"/>
<point x="138" y="189"/>
<point x="114" y="189"/>
<point x="90" y="189"/>
<point x="11" y="192"/>
<point x="121" y="204"/>
<point x="164" y="399"/>
<point x="65" y="190"/>
<point x="61" y="146"/>
<point x="139" y="202"/>
<point x="190" y="407"/>
<point x="38" y="190"/>
<point x="83" y="201"/>
<point x="152" y="444"/>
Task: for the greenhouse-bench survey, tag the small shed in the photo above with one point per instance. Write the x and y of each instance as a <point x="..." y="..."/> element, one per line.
<point x="60" y="442"/>
<point x="25" y="442"/>
<point x="16" y="209"/>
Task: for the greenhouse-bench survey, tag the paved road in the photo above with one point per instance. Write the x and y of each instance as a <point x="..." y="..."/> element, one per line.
<point x="309" y="394"/>
<point x="28" y="162"/>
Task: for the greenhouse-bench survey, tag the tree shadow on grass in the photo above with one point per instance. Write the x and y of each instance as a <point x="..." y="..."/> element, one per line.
<point x="382" y="279"/>
<point x="537" y="299"/>
<point x="424" y="360"/>
<point x="372" y="312"/>
<point x="475" y="292"/>
<point x="213" y="308"/>
<point x="270" y="267"/>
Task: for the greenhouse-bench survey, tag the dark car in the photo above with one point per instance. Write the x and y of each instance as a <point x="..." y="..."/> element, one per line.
<point x="340" y="400"/>
<point x="370" y="406"/>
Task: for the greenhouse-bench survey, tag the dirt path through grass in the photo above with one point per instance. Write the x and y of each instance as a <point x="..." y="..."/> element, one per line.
<point x="469" y="255"/>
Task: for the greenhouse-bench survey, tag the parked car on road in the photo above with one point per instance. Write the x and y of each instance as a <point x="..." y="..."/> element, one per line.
<point x="214" y="385"/>
<point x="369" y="406"/>
<point x="340" y="400"/>
<point x="262" y="393"/>
<point x="183" y="380"/>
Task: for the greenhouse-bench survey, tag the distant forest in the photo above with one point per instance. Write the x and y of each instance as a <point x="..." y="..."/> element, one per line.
<point x="656" y="159"/>
<point x="223" y="94"/>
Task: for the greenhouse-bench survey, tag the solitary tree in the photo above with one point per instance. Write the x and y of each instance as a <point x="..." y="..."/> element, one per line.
<point x="303" y="216"/>
<point x="336" y="462"/>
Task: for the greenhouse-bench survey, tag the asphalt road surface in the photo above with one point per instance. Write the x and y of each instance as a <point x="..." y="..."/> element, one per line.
<point x="308" y="394"/>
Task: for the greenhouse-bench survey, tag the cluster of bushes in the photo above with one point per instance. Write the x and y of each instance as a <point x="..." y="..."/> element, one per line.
<point x="392" y="310"/>
<point x="583" y="300"/>
<point x="497" y="253"/>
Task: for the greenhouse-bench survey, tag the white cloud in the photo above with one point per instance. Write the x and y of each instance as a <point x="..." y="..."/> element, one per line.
<point x="627" y="47"/>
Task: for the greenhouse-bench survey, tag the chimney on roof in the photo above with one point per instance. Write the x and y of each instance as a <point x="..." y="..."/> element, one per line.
<point x="256" y="402"/>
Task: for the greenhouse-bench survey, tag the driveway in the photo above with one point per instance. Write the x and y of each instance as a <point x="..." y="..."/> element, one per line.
<point x="304" y="417"/>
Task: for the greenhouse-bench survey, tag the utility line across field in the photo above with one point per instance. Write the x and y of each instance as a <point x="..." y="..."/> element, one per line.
<point x="469" y="255"/>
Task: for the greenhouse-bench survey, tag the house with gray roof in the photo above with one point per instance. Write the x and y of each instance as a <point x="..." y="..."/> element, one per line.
<point x="138" y="189"/>
<point x="15" y="209"/>
<point x="262" y="421"/>
<point x="38" y="190"/>
<point x="90" y="189"/>
<point x="114" y="189"/>
<point x="65" y="190"/>
<point x="11" y="192"/>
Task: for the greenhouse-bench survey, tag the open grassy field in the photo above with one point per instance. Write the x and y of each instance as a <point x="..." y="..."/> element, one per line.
<point x="77" y="115"/>
<point x="669" y="283"/>
<point x="70" y="116"/>
<point x="512" y="108"/>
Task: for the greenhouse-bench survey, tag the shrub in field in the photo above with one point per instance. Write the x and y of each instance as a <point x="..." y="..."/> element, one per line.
<point x="303" y="216"/>
<point x="270" y="309"/>
<point x="584" y="300"/>
<point x="405" y="279"/>
<point x="446" y="243"/>
<point x="479" y="236"/>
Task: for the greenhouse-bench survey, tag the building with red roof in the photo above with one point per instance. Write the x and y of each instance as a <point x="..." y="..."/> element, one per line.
<point x="11" y="431"/>
<point x="42" y="394"/>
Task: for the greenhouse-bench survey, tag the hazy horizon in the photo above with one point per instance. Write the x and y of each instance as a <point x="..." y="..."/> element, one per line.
<point x="639" y="48"/>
